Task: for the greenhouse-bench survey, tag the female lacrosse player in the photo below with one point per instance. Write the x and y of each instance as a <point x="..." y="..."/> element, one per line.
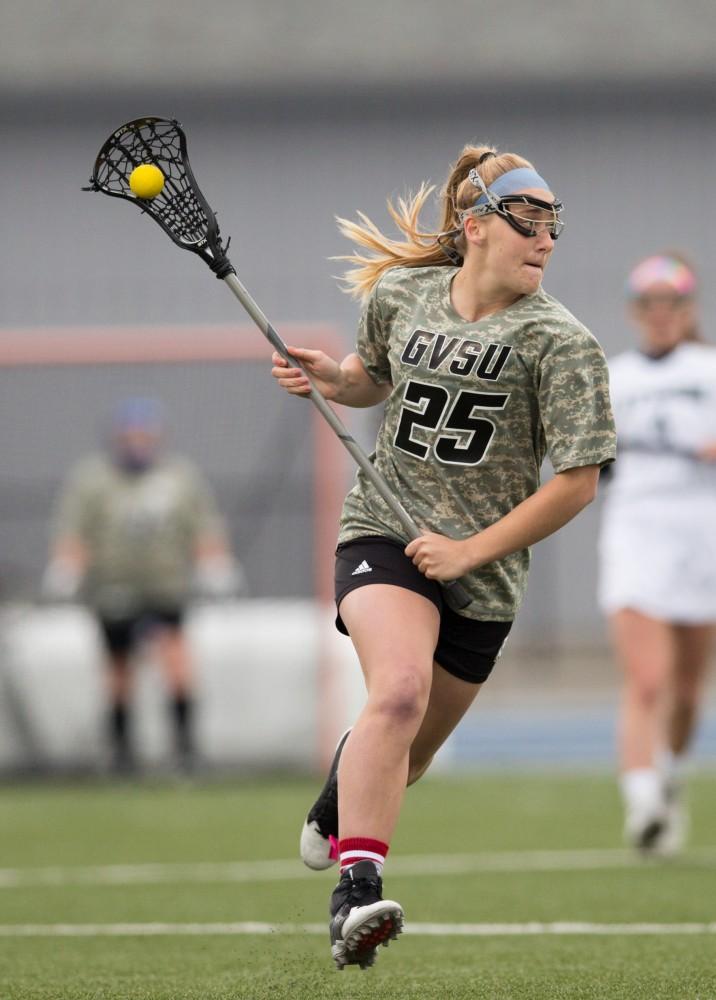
<point x="482" y="374"/>
<point x="658" y="544"/>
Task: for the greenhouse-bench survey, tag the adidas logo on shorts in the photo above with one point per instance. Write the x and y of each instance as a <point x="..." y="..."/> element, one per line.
<point x="363" y="568"/>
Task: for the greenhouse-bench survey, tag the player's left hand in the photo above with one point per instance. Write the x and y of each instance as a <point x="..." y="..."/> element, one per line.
<point x="438" y="557"/>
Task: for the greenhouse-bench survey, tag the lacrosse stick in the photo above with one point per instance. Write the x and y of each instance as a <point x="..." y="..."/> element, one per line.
<point x="185" y="216"/>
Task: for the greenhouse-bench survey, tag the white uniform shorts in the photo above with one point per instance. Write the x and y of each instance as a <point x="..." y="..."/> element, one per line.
<point x="659" y="558"/>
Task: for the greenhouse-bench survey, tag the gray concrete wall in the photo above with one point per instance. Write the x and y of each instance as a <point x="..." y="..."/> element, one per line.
<point x="283" y="46"/>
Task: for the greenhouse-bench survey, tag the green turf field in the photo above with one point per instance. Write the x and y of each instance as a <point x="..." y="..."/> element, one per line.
<point x="181" y="868"/>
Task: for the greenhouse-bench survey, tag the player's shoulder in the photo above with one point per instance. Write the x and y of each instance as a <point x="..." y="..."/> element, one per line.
<point x="556" y="318"/>
<point x="698" y="355"/>
<point x="182" y="469"/>
<point x="92" y="468"/>
<point x="178" y="464"/>
<point x="625" y="361"/>
<point x="548" y="324"/>
<point x="399" y="277"/>
<point x="89" y="477"/>
<point x="398" y="283"/>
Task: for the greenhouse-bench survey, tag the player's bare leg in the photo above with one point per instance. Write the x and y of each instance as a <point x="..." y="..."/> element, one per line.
<point x="694" y="645"/>
<point x="646" y="650"/>
<point x="450" y="698"/>
<point x="394" y="632"/>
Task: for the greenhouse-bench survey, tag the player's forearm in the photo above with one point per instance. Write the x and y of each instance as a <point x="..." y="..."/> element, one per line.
<point x="537" y="517"/>
<point x="355" y="387"/>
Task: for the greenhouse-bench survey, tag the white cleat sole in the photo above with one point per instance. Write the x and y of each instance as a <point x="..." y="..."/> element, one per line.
<point x="364" y="929"/>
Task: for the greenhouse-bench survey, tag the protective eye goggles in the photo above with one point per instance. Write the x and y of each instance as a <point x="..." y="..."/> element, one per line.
<point x="527" y="215"/>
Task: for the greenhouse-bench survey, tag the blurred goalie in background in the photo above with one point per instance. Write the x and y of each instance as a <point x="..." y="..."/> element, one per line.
<point x="137" y="535"/>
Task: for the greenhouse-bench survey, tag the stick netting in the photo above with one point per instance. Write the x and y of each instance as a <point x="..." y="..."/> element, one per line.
<point x="179" y="208"/>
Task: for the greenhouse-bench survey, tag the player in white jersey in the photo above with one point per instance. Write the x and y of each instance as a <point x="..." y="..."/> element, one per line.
<point x="658" y="544"/>
<point x="482" y="374"/>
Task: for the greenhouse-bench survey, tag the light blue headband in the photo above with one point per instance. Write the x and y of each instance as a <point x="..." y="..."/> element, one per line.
<point x="513" y="182"/>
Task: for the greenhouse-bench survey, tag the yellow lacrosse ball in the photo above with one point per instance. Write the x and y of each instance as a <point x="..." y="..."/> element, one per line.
<point x="146" y="180"/>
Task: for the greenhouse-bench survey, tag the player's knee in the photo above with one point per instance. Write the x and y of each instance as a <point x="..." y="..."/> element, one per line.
<point x="648" y="692"/>
<point x="405" y="700"/>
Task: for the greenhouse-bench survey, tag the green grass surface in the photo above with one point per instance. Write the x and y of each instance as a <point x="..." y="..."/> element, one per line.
<point x="91" y="825"/>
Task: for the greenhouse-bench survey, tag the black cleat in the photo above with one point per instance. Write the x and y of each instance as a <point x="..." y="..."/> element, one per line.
<point x="361" y="919"/>
<point x="319" y="836"/>
<point x="649" y="837"/>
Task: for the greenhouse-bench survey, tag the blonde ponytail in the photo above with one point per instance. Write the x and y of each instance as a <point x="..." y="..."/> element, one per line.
<point x="421" y="248"/>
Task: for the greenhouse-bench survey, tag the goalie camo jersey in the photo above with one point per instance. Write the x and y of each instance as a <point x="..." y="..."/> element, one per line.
<point x="475" y="408"/>
<point x="140" y="531"/>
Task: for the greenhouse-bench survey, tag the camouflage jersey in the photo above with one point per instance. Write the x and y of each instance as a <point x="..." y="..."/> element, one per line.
<point x="475" y="408"/>
<point x="140" y="530"/>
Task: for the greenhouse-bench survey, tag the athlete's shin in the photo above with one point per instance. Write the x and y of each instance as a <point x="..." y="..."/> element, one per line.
<point x="642" y="726"/>
<point x="372" y="777"/>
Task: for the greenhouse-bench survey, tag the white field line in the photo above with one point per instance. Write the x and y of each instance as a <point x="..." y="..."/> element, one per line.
<point x="415" y="865"/>
<point x="433" y="930"/>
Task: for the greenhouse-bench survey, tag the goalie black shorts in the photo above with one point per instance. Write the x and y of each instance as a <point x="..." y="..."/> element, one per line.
<point x="466" y="648"/>
<point x="122" y="635"/>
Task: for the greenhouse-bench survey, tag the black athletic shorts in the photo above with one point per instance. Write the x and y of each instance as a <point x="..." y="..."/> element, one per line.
<point x="466" y="648"/>
<point x="121" y="635"/>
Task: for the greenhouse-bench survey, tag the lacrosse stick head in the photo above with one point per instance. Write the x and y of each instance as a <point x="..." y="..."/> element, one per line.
<point x="180" y="208"/>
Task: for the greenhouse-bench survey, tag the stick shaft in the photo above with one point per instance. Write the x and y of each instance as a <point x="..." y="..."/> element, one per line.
<point x="455" y="593"/>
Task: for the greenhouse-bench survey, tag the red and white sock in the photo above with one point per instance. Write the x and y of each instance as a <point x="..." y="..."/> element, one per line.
<point x="354" y="849"/>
